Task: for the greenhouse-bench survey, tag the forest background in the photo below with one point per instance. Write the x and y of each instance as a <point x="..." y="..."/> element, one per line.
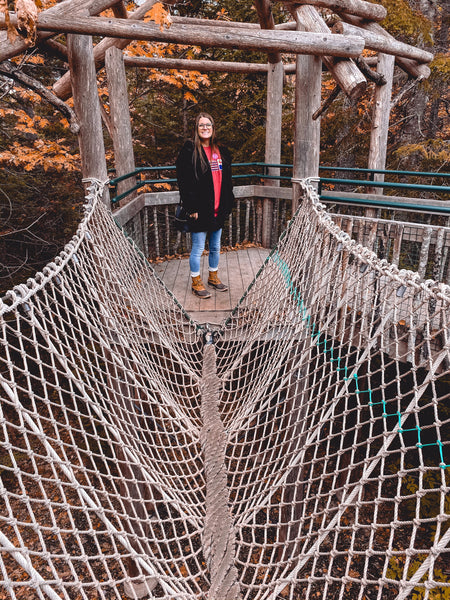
<point x="41" y="194"/>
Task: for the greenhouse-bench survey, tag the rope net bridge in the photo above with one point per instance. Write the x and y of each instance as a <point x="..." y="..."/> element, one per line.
<point x="300" y="451"/>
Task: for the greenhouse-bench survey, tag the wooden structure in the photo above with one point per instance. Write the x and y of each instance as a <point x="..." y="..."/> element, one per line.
<point x="307" y="38"/>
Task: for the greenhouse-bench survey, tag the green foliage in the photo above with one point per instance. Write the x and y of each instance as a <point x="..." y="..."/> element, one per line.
<point x="432" y="155"/>
<point x="407" y="24"/>
<point x="396" y="569"/>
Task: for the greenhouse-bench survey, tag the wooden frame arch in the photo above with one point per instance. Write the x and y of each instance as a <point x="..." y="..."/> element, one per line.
<point x="307" y="36"/>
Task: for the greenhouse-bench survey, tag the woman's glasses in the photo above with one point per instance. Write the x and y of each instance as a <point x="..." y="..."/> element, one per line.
<point x="205" y="126"/>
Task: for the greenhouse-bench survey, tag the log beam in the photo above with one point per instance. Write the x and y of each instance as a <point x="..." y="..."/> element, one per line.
<point x="359" y="8"/>
<point x="365" y="69"/>
<point x="63" y="89"/>
<point x="203" y="66"/>
<point x="381" y="43"/>
<point x="412" y="67"/>
<point x="290" y="25"/>
<point x="346" y="74"/>
<point x="262" y="40"/>
<point x="64" y="10"/>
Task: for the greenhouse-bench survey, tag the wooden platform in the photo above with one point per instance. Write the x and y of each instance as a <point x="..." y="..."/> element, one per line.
<point x="237" y="268"/>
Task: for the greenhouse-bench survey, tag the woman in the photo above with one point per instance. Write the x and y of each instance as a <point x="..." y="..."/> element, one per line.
<point x="206" y="192"/>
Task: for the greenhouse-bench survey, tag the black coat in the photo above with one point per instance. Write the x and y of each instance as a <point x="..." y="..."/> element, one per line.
<point x="197" y="189"/>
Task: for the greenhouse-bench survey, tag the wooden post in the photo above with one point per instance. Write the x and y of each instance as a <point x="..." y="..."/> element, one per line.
<point x="307" y="131"/>
<point x="87" y="108"/>
<point x="275" y="78"/>
<point x="380" y="119"/>
<point x="120" y="118"/>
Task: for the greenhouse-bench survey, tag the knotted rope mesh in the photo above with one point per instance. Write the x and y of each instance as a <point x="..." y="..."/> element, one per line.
<point x="300" y="451"/>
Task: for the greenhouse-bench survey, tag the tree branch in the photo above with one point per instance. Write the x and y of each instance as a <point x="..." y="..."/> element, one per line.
<point x="365" y="69"/>
<point x="7" y="70"/>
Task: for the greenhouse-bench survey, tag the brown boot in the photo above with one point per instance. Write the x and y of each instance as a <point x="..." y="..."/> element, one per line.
<point x="199" y="289"/>
<point x="214" y="281"/>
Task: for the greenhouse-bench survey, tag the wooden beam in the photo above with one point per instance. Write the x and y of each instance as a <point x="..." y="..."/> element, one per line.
<point x="63" y="89"/>
<point x="64" y="10"/>
<point x="346" y="74"/>
<point x="289" y="26"/>
<point x="365" y="69"/>
<point x="203" y="66"/>
<point x="359" y="8"/>
<point x="381" y="43"/>
<point x="262" y="40"/>
<point x="412" y="67"/>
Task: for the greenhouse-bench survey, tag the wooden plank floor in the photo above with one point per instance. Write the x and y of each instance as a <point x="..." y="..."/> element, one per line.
<point x="237" y="268"/>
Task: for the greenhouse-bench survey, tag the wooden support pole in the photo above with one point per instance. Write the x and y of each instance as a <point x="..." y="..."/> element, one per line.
<point x="120" y="118"/>
<point x="87" y="108"/>
<point x="359" y="8"/>
<point x="267" y="21"/>
<point x="308" y="83"/>
<point x="381" y="43"/>
<point x="380" y="119"/>
<point x="346" y="74"/>
<point x="244" y="39"/>
<point x="275" y="79"/>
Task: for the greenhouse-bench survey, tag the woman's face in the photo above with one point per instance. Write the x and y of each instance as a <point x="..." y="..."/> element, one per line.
<point x="204" y="130"/>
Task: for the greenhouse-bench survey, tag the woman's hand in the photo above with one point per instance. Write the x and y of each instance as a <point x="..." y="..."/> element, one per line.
<point x="194" y="216"/>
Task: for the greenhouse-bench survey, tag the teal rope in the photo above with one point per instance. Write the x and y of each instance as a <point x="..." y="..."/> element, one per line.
<point x="315" y="335"/>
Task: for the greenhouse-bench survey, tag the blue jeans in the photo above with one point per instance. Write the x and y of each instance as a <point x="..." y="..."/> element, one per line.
<point x="198" y="245"/>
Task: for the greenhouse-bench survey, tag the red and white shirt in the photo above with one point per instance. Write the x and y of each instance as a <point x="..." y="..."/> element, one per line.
<point x="215" y="162"/>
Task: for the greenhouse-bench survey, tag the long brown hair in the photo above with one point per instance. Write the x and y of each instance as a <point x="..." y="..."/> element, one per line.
<point x="198" y="155"/>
